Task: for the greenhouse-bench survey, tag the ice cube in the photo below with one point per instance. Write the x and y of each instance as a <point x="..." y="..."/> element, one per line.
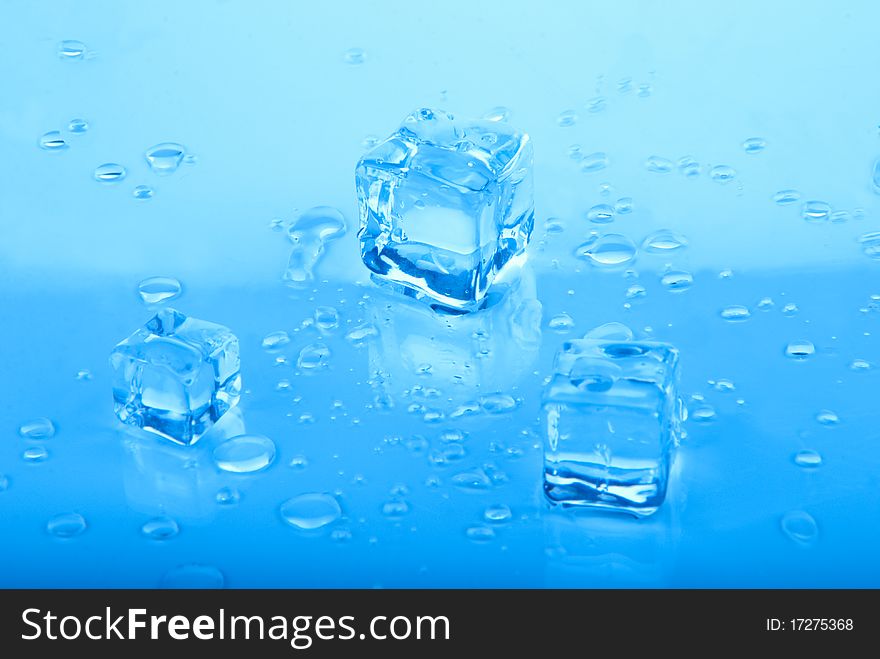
<point x="612" y="421"/>
<point x="445" y="206"/>
<point x="176" y="376"/>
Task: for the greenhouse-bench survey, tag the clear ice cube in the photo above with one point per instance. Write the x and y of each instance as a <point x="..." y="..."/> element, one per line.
<point x="176" y="376"/>
<point x="445" y="205"/>
<point x="612" y="421"/>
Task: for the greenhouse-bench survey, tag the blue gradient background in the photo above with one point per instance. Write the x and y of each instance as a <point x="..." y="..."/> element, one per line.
<point x="261" y="92"/>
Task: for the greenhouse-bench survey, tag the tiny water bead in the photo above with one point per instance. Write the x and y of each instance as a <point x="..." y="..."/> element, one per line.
<point x="702" y="414"/>
<point x="601" y="214"/>
<point x="800" y="527"/>
<point x="298" y="462"/>
<point x="35" y="454"/>
<point x="838" y="217"/>
<point x="156" y="290"/>
<point x="689" y="167"/>
<point x="497" y="403"/>
<point x="658" y="165"/>
<point x="754" y="145"/>
<point x="663" y="242"/>
<point x="110" y="172"/>
<point x="554" y="225"/>
<point x="815" y="211"/>
<point x="480" y="533"/>
<point x="610" y="332"/>
<point x="561" y="322"/>
<point x="38" y="428"/>
<point x="594" y="162"/>
<point x="193" y="576"/>
<point x="355" y="56"/>
<point x="498" y="113"/>
<point x="827" y="418"/>
<point x="859" y="365"/>
<point x="498" y="514"/>
<point x="4" y="482"/>
<point x="786" y="197"/>
<point x="275" y="340"/>
<point x="245" y="454"/>
<point x="360" y="334"/>
<point x="623" y="206"/>
<point x="808" y="459"/>
<point x="765" y="304"/>
<point x="165" y="158"/>
<point x="611" y="249"/>
<point x="395" y="508"/>
<point x="53" y="141"/>
<point x="227" y="496"/>
<point x="311" y="511"/>
<point x="635" y="291"/>
<point x="142" y="192"/>
<point x="160" y="528"/>
<point x="326" y="318"/>
<point x="875" y="176"/>
<point x="78" y="126"/>
<point x="314" y="357"/>
<point x="566" y="119"/>
<point x="800" y="349"/>
<point x="790" y="309"/>
<point x="71" y="49"/>
<point x="677" y="281"/>
<point x="871" y="244"/>
<point x="66" y="525"/>
<point x="722" y="174"/>
<point x="83" y="375"/>
<point x="736" y="313"/>
<point x="597" y="104"/>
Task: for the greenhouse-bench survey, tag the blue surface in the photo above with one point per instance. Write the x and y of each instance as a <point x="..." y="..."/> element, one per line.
<point x="277" y="114"/>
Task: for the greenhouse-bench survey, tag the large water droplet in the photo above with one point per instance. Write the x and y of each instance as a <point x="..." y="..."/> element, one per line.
<point x="314" y="356"/>
<point x="194" y="576"/>
<point x="66" y="525"/>
<point x="808" y="459"/>
<point x="816" y="211"/>
<point x="71" y="49"/>
<point x="165" y="158"/>
<point x="735" y="313"/>
<point x="785" y="197"/>
<point x="355" y="56"/>
<point x="754" y="145"/>
<point x="155" y="290"/>
<point x="309" y="233"/>
<point x="311" y="511"/>
<point x="659" y="165"/>
<point x="326" y="318"/>
<point x="142" y="192"/>
<point x="39" y="428"/>
<point x="800" y="349"/>
<point x="601" y="214"/>
<point x="722" y="173"/>
<point x="799" y="527"/>
<point x="78" y="126"/>
<point x="664" y="241"/>
<point x="110" y="172"/>
<point x="160" y="528"/>
<point x="53" y="141"/>
<point x="677" y="280"/>
<point x="593" y="162"/>
<point x="561" y="322"/>
<point x="245" y="454"/>
<point x="611" y="249"/>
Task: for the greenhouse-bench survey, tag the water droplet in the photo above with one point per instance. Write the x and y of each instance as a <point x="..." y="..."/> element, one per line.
<point x="754" y="145"/>
<point x="664" y="241"/>
<point x="765" y="304"/>
<point x="790" y="309"/>
<point x="566" y="118"/>
<point x="66" y="525"/>
<point x="35" y="454"/>
<point x="39" y="428"/>
<point x="53" y="141"/>
<point x="160" y="528"/>
<point x="472" y="480"/>
<point x="498" y="514"/>
<point x="593" y="162"/>
<point x="395" y="508"/>
<point x="785" y="197"/>
<point x="156" y="290"/>
<point x="326" y="318"/>
<point x="340" y="535"/>
<point x="193" y="576"/>
<point x="4" y="482"/>
<point x="871" y="244"/>
<point x="838" y="217"/>
<point x="110" y="172"/>
<point x="610" y="332"/>
<point x="228" y="496"/>
<point x="635" y="291"/>
<point x="722" y="174"/>
<point x="859" y="365"/>
<point x="142" y="192"/>
<point x="827" y="418"/>
<point x="480" y="533"/>
<point x="688" y="166"/>
<point x="677" y="280"/>
<point x="623" y="206"/>
<point x="355" y="56"/>
<point x="611" y="249"/>
<point x="498" y="113"/>
<point x="735" y="313"/>
<point x="645" y="90"/>
<point x="78" y="126"/>
<point x="808" y="459"/>
<point x="601" y="214"/>
<point x="245" y="454"/>
<point x="275" y="340"/>
<point x="702" y="414"/>
<point x="875" y="176"/>
<point x="561" y="323"/>
<point x="70" y="49"/>
<point x="311" y="511"/>
<point x="554" y="225"/>
<point x="800" y="349"/>
<point x="309" y="233"/>
<point x="360" y="334"/>
<point x="497" y="403"/>
<point x="658" y="165"/>
<point x="314" y="356"/>
<point x="799" y="527"/>
<point x="165" y="158"/>
<point x="816" y="211"/>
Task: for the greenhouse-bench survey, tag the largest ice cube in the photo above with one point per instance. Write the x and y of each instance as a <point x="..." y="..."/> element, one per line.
<point x="445" y="205"/>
